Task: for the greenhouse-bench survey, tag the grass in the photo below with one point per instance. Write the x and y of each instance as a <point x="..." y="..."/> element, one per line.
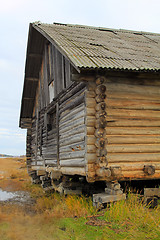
<point x="72" y="217"/>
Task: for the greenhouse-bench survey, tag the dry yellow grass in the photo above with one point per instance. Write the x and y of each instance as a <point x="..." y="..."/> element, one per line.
<point x="13" y="173"/>
<point x="70" y="217"/>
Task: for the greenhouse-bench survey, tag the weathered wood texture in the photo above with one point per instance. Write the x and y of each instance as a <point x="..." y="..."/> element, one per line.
<point x="43" y="143"/>
<point x="132" y="127"/>
<point x="72" y="131"/>
<point x="122" y="128"/>
<point x="97" y="127"/>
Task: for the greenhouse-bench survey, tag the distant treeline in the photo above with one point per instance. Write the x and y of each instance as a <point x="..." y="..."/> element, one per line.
<point x="5" y="155"/>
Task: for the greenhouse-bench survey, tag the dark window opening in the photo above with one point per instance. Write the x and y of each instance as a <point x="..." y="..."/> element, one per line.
<point x="51" y="121"/>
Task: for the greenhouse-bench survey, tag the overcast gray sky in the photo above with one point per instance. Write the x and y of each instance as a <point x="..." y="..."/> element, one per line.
<point x="15" y="16"/>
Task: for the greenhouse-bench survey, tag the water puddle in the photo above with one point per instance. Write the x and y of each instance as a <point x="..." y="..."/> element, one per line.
<point x="4" y="195"/>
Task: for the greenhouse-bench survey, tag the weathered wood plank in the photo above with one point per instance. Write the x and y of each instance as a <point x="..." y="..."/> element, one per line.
<point x="135" y="139"/>
<point x="133" y="148"/>
<point x="78" y="162"/>
<point x="72" y="118"/>
<point x="139" y="114"/>
<point x="73" y="147"/>
<point x="73" y="139"/>
<point x="74" y="155"/>
<point x="137" y="89"/>
<point x="132" y="166"/>
<point x="132" y="131"/>
<point x="133" y="157"/>
<point x="123" y="122"/>
<point x="70" y="126"/>
<point x="73" y="170"/>
<point x="132" y="104"/>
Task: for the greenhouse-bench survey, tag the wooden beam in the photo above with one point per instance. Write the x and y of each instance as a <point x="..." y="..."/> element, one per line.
<point x="35" y="55"/>
<point x="31" y="79"/>
<point x="27" y="98"/>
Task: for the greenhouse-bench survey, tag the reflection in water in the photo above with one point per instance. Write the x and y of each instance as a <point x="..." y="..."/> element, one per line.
<point x="6" y="195"/>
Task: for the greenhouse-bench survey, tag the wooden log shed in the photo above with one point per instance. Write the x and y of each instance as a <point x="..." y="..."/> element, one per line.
<point x="91" y="103"/>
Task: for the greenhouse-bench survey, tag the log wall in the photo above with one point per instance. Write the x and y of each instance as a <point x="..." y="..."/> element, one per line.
<point x="72" y="131"/>
<point x="127" y="128"/>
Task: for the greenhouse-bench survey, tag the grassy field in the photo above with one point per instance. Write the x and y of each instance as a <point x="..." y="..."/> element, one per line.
<point x="58" y="217"/>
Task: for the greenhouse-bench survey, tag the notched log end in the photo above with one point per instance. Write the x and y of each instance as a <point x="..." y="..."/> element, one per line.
<point x="116" y="171"/>
<point x="149" y="169"/>
<point x="103" y="172"/>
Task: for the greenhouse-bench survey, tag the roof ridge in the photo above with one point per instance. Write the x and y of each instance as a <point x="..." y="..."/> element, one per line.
<point x="98" y="28"/>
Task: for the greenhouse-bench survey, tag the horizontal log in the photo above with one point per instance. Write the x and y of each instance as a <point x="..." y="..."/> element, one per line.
<point x="72" y="117"/>
<point x="132" y="166"/>
<point x="79" y="100"/>
<point x="73" y="91"/>
<point x="72" y="163"/>
<point x="49" y="156"/>
<point x="90" y="111"/>
<point x="132" y="104"/>
<point x="115" y="139"/>
<point x="90" y="158"/>
<point x="73" y="147"/>
<point x="91" y="148"/>
<point x="51" y="162"/>
<point x="91" y="86"/>
<point x="70" y="126"/>
<point x="50" y="151"/>
<point x="90" y="102"/>
<point x="90" y="94"/>
<point x="132" y="130"/>
<point x="133" y="157"/>
<point x="90" y="121"/>
<point x="139" y="175"/>
<point x="68" y="114"/>
<point x="122" y="122"/>
<point x="136" y="89"/>
<point x="37" y="163"/>
<point x="73" y="171"/>
<point x="139" y="114"/>
<point x="39" y="168"/>
<point x="138" y="80"/>
<point x="74" y="155"/>
<point x="133" y="148"/>
<point x="73" y="139"/>
<point x="72" y="98"/>
<point x="90" y="130"/>
<point x="72" y="132"/>
<point x="90" y="140"/>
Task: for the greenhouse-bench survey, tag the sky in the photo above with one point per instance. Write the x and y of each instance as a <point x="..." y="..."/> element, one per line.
<point x="15" y="16"/>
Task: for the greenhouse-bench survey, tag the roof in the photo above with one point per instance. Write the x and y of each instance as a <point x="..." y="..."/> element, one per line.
<point x="96" y="47"/>
<point x="87" y="48"/>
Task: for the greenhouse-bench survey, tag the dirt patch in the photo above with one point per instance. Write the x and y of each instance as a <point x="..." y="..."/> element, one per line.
<point x="13" y="175"/>
<point x="95" y="221"/>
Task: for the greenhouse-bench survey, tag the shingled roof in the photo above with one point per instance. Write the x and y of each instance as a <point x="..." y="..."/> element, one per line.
<point x="95" y="47"/>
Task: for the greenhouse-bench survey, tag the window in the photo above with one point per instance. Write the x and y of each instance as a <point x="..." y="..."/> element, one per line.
<point x="51" y="123"/>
